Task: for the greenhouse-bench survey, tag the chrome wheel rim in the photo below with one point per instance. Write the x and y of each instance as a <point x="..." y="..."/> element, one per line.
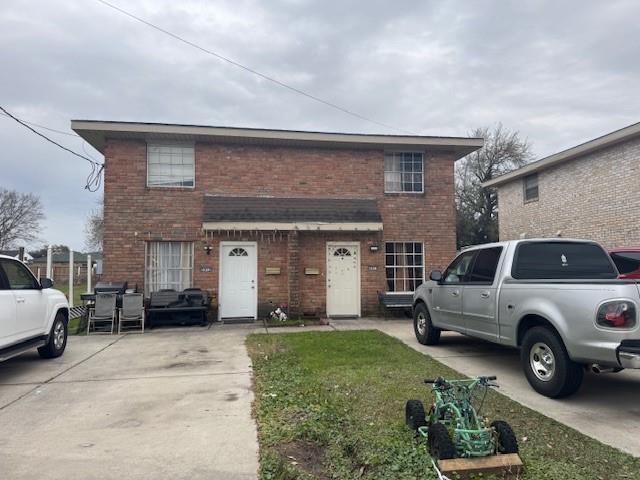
<point x="58" y="335"/>
<point x="421" y="323"/>
<point x="543" y="362"/>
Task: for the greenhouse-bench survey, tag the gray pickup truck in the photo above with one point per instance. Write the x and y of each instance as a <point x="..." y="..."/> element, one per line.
<point x="559" y="301"/>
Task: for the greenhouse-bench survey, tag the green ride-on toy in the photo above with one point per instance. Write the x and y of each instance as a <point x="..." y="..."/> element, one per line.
<point x="453" y="427"/>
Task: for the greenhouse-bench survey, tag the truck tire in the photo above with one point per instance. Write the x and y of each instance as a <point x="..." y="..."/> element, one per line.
<point x="425" y="332"/>
<point x="440" y="445"/>
<point x="414" y="415"/>
<point x="57" y="338"/>
<point x="507" y="441"/>
<point x="547" y="365"/>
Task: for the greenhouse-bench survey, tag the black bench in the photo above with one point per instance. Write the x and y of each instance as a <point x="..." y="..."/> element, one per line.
<point x="187" y="307"/>
<point x="399" y="301"/>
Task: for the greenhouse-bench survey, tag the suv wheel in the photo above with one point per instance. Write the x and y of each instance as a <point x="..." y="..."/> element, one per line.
<point x="425" y="332"/>
<point x="547" y="365"/>
<point x="57" y="338"/>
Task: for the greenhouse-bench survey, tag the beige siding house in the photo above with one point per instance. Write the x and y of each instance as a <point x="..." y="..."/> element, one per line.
<point x="589" y="191"/>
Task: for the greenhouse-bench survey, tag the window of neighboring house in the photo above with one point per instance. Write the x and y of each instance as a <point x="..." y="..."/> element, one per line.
<point x="168" y="265"/>
<point x="530" y="186"/>
<point x="404" y="266"/>
<point x="403" y="172"/>
<point x="170" y="165"/>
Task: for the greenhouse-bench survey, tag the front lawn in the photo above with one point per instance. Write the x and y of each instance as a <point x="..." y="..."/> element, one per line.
<point x="330" y="405"/>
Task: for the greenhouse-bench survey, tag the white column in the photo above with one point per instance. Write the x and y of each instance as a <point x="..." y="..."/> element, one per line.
<point x="71" y="278"/>
<point x="49" y="254"/>
<point x="38" y="273"/>
<point x="89" y="273"/>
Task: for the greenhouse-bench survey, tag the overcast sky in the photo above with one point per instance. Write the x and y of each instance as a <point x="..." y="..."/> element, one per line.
<point x="558" y="72"/>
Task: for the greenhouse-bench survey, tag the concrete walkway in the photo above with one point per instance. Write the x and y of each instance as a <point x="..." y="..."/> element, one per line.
<point x="607" y="407"/>
<point x="167" y="404"/>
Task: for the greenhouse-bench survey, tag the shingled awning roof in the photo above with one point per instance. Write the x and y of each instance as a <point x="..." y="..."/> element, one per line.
<point x="280" y="213"/>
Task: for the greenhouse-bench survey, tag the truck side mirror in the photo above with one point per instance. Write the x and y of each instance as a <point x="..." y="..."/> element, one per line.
<point x="46" y="283"/>
<point x="435" y="275"/>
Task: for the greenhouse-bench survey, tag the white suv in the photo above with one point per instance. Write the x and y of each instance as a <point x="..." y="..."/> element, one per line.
<point x="32" y="314"/>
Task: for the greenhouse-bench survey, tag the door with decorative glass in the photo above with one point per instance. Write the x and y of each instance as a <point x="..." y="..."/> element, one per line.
<point x="343" y="279"/>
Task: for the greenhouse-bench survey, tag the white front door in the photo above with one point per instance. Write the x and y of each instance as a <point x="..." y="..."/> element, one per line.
<point x="238" y="280"/>
<point x="343" y="279"/>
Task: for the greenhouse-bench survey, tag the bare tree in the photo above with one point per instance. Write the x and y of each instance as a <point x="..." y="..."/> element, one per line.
<point x="20" y="217"/>
<point x="94" y="228"/>
<point x="503" y="151"/>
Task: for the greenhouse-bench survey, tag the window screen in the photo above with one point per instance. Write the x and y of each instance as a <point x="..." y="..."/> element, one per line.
<point x="561" y="260"/>
<point x="404" y="266"/>
<point x="170" y="165"/>
<point x="485" y="266"/>
<point x="530" y="185"/>
<point x="626" y="262"/>
<point x="403" y="172"/>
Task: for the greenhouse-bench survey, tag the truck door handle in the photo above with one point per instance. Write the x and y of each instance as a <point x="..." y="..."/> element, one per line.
<point x="20" y="299"/>
<point x="485" y="294"/>
<point x="455" y="293"/>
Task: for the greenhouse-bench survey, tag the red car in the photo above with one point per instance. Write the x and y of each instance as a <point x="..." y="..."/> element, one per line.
<point x="627" y="260"/>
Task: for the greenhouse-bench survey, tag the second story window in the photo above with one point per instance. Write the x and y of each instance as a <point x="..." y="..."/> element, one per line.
<point x="530" y="188"/>
<point x="403" y="172"/>
<point x="170" y="165"/>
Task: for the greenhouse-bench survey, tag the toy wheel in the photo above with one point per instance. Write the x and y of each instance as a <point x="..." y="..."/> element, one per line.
<point x="425" y="332"/>
<point x="507" y="441"/>
<point x="547" y="365"/>
<point x="414" y="414"/>
<point x="440" y="445"/>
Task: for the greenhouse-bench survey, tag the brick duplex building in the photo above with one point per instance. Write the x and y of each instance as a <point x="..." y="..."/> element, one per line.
<point x="321" y="222"/>
<point x="589" y="191"/>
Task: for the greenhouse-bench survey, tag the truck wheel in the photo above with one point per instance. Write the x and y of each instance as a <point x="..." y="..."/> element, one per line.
<point x="57" y="338"/>
<point x="507" y="441"/>
<point x="440" y="445"/>
<point x="414" y="415"/>
<point x="425" y="332"/>
<point x="547" y="365"/>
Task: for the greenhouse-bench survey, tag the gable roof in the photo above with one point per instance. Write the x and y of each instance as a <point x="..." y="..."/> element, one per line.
<point x="95" y="132"/>
<point x="599" y="143"/>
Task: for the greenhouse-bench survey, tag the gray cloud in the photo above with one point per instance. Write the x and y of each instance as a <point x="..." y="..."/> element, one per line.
<point x="559" y="72"/>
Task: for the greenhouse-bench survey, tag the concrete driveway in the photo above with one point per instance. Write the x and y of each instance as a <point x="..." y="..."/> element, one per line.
<point x="166" y="404"/>
<point x="607" y="407"/>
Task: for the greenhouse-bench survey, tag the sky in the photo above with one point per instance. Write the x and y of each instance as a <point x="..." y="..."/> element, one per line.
<point x="560" y="73"/>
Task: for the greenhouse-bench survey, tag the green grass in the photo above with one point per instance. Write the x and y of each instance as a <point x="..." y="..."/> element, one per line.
<point x="77" y="291"/>
<point x="341" y="395"/>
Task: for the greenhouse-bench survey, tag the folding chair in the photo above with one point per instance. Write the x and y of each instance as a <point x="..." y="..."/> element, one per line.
<point x="103" y="315"/>
<point x="132" y="311"/>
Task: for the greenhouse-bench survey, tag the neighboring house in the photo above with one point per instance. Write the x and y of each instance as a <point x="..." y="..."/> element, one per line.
<point x="589" y="191"/>
<point x="26" y="258"/>
<point x="321" y="222"/>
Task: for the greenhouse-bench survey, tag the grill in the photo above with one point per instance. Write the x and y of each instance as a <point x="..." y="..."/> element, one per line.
<point x="111" y="287"/>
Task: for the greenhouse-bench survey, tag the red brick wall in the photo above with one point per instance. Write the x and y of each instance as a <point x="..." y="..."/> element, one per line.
<point x="135" y="214"/>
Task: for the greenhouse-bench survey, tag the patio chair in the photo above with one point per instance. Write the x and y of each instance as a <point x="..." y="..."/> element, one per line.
<point x="103" y="315"/>
<point x="132" y="311"/>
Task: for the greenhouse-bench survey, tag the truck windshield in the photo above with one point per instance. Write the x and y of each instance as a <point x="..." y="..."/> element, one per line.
<point x="561" y="261"/>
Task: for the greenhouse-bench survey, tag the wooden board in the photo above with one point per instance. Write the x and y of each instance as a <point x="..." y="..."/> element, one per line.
<point x="509" y="463"/>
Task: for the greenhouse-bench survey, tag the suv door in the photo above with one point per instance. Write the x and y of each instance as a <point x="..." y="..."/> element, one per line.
<point x="447" y="296"/>
<point x="480" y="295"/>
<point x="29" y="299"/>
<point x="8" y="324"/>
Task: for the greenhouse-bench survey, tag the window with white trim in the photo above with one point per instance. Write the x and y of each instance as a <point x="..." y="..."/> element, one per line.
<point x="404" y="266"/>
<point x="403" y="172"/>
<point x="170" y="165"/>
<point x="168" y="265"/>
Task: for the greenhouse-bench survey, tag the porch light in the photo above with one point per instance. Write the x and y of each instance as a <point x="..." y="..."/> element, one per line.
<point x="207" y="249"/>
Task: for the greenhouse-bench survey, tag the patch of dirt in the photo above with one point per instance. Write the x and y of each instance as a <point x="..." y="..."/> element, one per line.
<point x="305" y="456"/>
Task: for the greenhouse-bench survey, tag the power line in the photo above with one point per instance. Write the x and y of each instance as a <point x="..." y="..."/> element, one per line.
<point x="46" y="128"/>
<point x="250" y="70"/>
<point x="94" y="179"/>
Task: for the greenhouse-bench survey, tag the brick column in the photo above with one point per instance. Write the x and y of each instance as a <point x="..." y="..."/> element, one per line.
<point x="293" y="271"/>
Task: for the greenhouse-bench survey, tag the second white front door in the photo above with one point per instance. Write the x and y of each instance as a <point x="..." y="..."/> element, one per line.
<point x="343" y="279"/>
<point x="238" y="280"/>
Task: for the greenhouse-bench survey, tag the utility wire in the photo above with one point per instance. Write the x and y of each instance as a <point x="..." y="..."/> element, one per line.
<point x="94" y="179"/>
<point x="250" y="70"/>
<point x="45" y="128"/>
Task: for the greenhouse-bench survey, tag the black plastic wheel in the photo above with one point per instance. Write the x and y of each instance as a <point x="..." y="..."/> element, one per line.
<point x="441" y="446"/>
<point x="547" y="365"/>
<point x="57" y="338"/>
<point x="414" y="414"/>
<point x="507" y="441"/>
<point x="425" y="332"/>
